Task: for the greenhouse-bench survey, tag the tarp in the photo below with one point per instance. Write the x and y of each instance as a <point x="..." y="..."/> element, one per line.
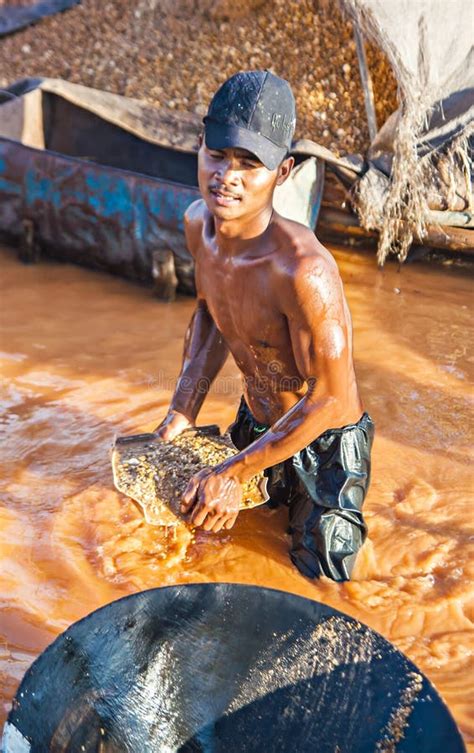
<point x="223" y="668"/>
<point x="429" y="43"/>
<point x="423" y="155"/>
<point x="16" y="16"/>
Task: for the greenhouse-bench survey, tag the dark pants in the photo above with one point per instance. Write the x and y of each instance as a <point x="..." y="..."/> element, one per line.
<point x="324" y="486"/>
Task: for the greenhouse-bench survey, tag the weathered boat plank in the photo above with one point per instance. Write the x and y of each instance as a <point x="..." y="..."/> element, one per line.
<point x="91" y="214"/>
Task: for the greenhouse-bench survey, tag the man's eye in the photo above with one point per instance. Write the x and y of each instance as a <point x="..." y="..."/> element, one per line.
<point x="215" y="155"/>
<point x="251" y="163"/>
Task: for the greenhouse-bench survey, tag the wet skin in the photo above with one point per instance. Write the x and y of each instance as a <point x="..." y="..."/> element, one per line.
<point x="269" y="293"/>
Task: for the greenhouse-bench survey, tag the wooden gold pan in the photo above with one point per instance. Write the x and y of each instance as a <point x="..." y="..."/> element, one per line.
<point x="155" y="473"/>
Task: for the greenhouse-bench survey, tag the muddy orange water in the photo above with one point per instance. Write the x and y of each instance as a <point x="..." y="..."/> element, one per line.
<point x="86" y="356"/>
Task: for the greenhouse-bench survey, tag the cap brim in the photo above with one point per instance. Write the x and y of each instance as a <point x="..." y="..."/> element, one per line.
<point x="226" y="136"/>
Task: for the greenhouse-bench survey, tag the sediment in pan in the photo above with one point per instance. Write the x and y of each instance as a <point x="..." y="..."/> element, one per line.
<point x="155" y="473"/>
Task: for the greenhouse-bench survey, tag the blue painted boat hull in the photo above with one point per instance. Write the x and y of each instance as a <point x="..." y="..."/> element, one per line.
<point x="91" y="214"/>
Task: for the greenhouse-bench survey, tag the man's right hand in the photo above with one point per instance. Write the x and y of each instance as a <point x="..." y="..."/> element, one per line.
<point x="173" y="424"/>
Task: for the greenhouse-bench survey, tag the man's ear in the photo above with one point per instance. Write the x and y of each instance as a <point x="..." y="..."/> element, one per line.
<point x="285" y="169"/>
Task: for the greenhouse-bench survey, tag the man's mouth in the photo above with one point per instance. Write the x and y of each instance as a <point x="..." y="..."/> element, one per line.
<point x="224" y="198"/>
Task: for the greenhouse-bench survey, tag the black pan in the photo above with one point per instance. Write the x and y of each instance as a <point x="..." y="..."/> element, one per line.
<point x="225" y="668"/>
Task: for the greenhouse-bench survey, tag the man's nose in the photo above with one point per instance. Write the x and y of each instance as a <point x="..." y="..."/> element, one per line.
<point x="227" y="171"/>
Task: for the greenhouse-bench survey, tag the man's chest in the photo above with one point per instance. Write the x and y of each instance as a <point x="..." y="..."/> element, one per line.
<point x="240" y="298"/>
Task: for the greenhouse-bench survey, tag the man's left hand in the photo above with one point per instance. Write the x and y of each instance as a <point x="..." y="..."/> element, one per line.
<point x="213" y="498"/>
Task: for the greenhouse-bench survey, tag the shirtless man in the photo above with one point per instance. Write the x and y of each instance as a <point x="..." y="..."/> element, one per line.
<point x="270" y="293"/>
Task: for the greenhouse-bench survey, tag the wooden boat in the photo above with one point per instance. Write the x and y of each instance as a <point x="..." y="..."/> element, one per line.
<point x="103" y="180"/>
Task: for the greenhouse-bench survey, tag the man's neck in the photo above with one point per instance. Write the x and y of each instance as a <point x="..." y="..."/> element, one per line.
<point x="233" y="236"/>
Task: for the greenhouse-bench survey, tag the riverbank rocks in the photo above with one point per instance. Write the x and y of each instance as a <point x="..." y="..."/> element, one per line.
<point x="219" y="10"/>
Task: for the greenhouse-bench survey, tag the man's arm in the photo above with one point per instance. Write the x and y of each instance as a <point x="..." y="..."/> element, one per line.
<point x="319" y="325"/>
<point x="204" y="355"/>
<point x="204" y="352"/>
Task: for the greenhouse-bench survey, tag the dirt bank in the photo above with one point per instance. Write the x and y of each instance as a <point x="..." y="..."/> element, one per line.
<point x="178" y="58"/>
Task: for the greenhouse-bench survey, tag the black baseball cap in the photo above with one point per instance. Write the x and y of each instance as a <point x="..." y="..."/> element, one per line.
<point x="253" y="110"/>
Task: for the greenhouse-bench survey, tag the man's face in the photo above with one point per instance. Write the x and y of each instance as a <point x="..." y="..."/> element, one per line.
<point x="234" y="183"/>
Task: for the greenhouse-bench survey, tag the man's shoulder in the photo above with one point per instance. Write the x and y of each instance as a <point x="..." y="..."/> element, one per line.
<point x="301" y="253"/>
<point x="195" y="213"/>
<point x="194" y="217"/>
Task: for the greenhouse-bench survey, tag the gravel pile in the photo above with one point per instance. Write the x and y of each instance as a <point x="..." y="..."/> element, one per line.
<point x="175" y="53"/>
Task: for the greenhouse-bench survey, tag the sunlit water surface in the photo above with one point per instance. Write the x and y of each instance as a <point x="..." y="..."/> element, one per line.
<point x="86" y="356"/>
